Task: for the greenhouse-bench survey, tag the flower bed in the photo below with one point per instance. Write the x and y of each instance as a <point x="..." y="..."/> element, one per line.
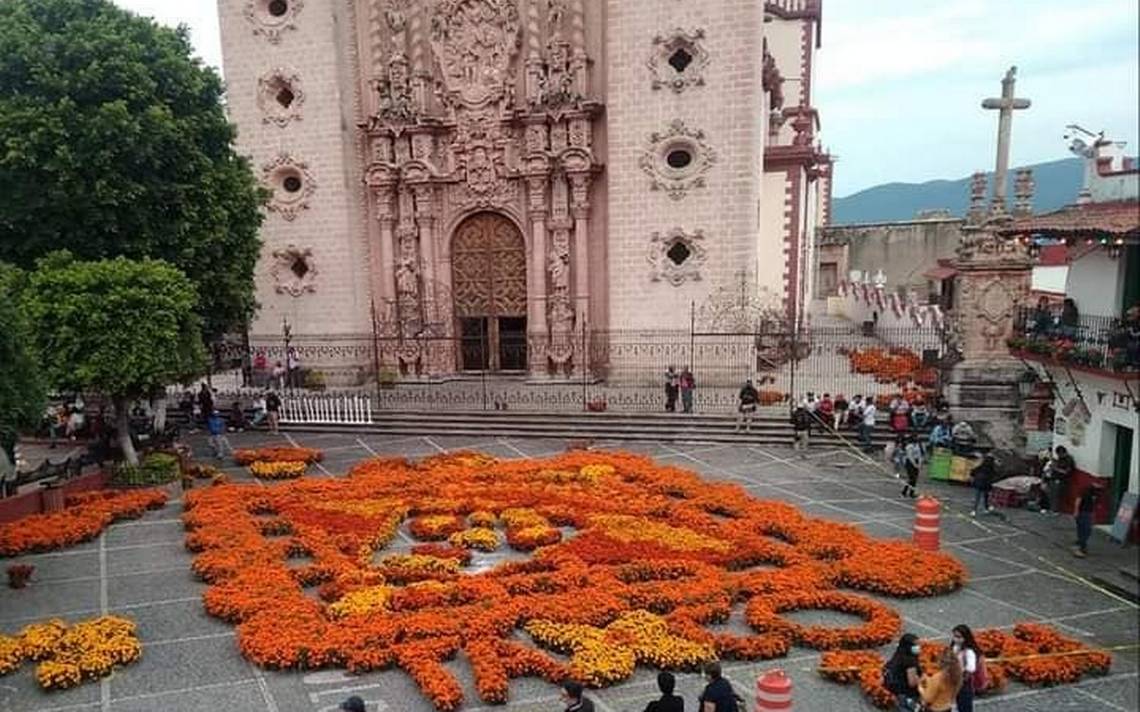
<point x="277" y="454"/>
<point x="83" y="518"/>
<point x="287" y="470"/>
<point x="69" y="655"/>
<point x="1032" y="653"/>
<point x="631" y="562"/>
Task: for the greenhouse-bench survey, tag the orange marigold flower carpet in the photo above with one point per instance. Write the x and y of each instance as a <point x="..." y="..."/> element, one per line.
<point x="627" y="562"/>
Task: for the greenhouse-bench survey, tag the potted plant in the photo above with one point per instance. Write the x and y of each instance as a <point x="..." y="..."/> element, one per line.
<point x="19" y="575"/>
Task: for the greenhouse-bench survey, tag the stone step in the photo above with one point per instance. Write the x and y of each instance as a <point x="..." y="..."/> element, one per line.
<point x="1122" y="583"/>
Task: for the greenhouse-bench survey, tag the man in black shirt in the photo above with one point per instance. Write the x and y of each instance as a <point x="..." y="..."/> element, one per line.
<point x="668" y="702"/>
<point x="1057" y="479"/>
<point x="718" y="695"/>
<point x="1084" y="511"/>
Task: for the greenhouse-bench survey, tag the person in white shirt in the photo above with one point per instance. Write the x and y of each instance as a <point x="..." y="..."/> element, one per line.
<point x="966" y="648"/>
<point x="868" y="425"/>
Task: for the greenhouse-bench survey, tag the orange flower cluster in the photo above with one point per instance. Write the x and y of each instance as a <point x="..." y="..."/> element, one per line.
<point x="1033" y="653"/>
<point x="771" y="397"/>
<point x="277" y="470"/>
<point x="277" y="454"/>
<point x="898" y="366"/>
<point x="83" y="518"/>
<point x="629" y="562"/>
<point x="67" y="655"/>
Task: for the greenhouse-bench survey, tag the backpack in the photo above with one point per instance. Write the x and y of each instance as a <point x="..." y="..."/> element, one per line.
<point x="980" y="679"/>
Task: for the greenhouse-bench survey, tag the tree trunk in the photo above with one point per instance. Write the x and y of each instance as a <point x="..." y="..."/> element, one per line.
<point x="123" y="424"/>
<point x="158" y="408"/>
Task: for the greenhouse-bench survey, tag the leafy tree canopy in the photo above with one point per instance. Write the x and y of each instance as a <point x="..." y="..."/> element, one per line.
<point x="21" y="388"/>
<point x="120" y="327"/>
<point x="113" y="141"/>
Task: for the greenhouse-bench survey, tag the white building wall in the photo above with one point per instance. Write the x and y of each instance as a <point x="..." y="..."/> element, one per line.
<point x="1091" y="444"/>
<point x="1049" y="279"/>
<point x="727" y="108"/>
<point x="1096" y="282"/>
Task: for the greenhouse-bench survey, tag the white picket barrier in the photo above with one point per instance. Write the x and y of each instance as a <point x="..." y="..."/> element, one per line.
<point x="327" y="409"/>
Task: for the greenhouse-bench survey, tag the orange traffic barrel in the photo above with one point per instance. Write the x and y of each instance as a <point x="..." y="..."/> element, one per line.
<point x="926" y="523"/>
<point x="773" y="692"/>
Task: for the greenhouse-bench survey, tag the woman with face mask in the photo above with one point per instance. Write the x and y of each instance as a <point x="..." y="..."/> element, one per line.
<point x="939" y="690"/>
<point x="901" y="673"/>
<point x="965" y="647"/>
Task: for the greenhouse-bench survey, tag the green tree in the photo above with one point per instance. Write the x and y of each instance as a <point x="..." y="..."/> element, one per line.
<point x="119" y="327"/>
<point x="21" y="388"/>
<point x="113" y="141"/>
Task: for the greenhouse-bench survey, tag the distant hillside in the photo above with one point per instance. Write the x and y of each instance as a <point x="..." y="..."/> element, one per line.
<point x="1057" y="186"/>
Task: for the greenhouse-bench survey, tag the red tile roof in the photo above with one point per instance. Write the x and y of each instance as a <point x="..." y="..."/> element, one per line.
<point x="1120" y="218"/>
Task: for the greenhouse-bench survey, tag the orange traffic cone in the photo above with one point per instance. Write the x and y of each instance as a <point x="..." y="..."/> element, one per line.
<point x="773" y="692"/>
<point x="926" y="523"/>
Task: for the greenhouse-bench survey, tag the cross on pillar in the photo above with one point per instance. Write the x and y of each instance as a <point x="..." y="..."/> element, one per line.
<point x="1005" y="106"/>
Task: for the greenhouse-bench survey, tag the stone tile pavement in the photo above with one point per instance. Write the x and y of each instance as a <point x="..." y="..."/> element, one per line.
<point x="1019" y="563"/>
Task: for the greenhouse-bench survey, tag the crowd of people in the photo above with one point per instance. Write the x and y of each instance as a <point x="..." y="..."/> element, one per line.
<point x="960" y="676"/>
<point x="201" y="410"/>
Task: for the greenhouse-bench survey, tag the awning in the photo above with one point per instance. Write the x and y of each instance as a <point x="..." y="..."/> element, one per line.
<point x="940" y="273"/>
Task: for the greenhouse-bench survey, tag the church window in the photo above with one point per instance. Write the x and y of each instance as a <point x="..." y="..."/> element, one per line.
<point x="678" y="253"/>
<point x="680" y="59"/>
<point x="678" y="158"/>
<point x="272" y="18"/>
<point x="280" y="96"/>
<point x="300" y="266"/>
<point x="278" y="8"/>
<point x="291" y="183"/>
<point x="294" y="271"/>
<point x="292" y="186"/>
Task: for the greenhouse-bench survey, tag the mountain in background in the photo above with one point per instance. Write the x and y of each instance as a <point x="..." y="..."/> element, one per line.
<point x="1057" y="186"/>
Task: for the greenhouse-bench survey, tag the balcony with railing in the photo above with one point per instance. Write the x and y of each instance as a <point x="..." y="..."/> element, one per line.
<point x="1101" y="344"/>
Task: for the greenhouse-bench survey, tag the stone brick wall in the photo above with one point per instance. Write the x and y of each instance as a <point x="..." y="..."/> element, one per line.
<point x="323" y="138"/>
<point x="726" y="108"/>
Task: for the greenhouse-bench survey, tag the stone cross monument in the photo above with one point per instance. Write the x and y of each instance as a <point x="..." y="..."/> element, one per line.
<point x="1005" y="105"/>
<point x="993" y="281"/>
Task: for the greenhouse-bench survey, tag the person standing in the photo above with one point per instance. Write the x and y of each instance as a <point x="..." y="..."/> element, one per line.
<point x="718" y="695"/>
<point x="746" y="408"/>
<point x="259" y="412"/>
<point x="970" y="660"/>
<point x="939" y="690"/>
<point x="687" y="383"/>
<point x="1086" y="505"/>
<point x="293" y="362"/>
<point x="278" y="376"/>
<point x="912" y="463"/>
<point x="902" y="673"/>
<point x="826" y="411"/>
<point x="205" y="402"/>
<point x="574" y="699"/>
<point x="982" y="478"/>
<point x="1057" y="477"/>
<point x="216" y="425"/>
<point x="801" y="425"/>
<point x="670" y="390"/>
<point x="272" y="409"/>
<point x="840" y="412"/>
<point x="668" y="702"/>
<point x="867" y="425"/>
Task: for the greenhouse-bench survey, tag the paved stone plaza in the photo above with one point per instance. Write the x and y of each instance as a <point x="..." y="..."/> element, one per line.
<point x="1019" y="565"/>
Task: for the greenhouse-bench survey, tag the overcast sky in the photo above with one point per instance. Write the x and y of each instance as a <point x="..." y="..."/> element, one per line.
<point x="899" y="82"/>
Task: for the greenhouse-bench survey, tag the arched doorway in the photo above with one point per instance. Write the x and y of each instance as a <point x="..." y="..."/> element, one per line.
<point x="488" y="286"/>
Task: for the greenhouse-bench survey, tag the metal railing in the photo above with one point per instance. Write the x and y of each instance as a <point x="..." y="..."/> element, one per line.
<point x="1068" y="337"/>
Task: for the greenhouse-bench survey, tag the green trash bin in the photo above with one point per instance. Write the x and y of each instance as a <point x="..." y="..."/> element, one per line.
<point x="939" y="464"/>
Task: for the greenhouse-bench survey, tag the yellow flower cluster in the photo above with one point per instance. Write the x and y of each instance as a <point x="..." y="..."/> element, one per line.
<point x="277" y="470"/>
<point x="483" y="519"/>
<point x="432" y="565"/>
<point x="477" y="538"/>
<point x="68" y="655"/>
<point x="602" y="656"/>
<point x="520" y="517"/>
<point x="365" y="600"/>
<point x="629" y="529"/>
<point x="593" y="473"/>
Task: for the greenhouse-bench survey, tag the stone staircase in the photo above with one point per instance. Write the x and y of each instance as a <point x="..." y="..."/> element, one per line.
<point x="665" y="427"/>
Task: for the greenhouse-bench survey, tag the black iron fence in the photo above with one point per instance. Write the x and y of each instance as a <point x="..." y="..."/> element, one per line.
<point x="596" y="370"/>
<point x="1071" y="338"/>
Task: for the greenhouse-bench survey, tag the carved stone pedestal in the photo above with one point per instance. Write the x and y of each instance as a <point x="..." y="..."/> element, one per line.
<point x="985" y="392"/>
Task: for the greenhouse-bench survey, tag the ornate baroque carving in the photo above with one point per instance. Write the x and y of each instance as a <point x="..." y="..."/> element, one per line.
<point x="676" y="255"/>
<point x="280" y="96"/>
<point x="474" y="42"/>
<point x="293" y="271"/>
<point x="678" y="60"/>
<point x="270" y="18"/>
<point x="560" y="309"/>
<point x="291" y="183"/>
<point x="677" y="159"/>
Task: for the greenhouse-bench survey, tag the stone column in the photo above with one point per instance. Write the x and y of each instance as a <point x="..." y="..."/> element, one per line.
<point x="580" y="209"/>
<point x="386" y="276"/>
<point x="536" y="305"/>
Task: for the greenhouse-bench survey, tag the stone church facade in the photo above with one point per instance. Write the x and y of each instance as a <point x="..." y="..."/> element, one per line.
<point x="513" y="173"/>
